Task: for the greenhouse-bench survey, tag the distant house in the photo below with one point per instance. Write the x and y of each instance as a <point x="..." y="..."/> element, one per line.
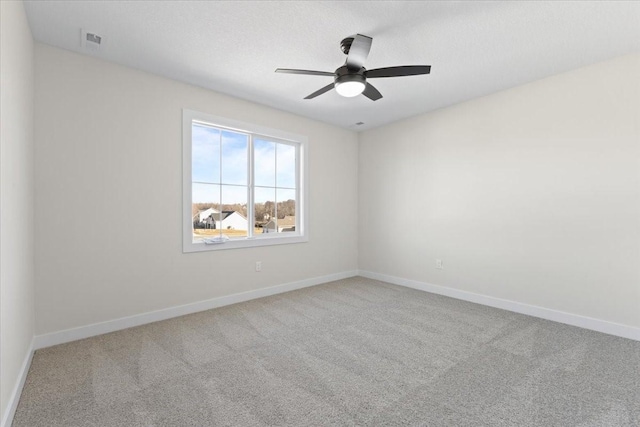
<point x="288" y="223"/>
<point x="203" y="215"/>
<point x="205" y="218"/>
<point x="231" y="220"/>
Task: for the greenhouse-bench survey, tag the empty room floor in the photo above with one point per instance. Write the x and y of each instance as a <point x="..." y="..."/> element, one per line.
<point x="351" y="352"/>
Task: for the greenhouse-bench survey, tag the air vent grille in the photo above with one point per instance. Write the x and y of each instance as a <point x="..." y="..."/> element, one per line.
<point x="93" y="38"/>
<point x="91" y="41"/>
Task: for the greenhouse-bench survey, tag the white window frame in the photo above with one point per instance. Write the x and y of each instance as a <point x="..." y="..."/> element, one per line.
<point x="301" y="233"/>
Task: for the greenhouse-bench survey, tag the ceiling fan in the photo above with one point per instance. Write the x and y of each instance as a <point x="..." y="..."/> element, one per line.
<point x="351" y="79"/>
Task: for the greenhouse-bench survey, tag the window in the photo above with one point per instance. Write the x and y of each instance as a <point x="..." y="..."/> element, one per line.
<point x="243" y="185"/>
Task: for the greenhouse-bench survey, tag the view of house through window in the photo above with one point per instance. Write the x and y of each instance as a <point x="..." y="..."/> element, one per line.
<point x="243" y="185"/>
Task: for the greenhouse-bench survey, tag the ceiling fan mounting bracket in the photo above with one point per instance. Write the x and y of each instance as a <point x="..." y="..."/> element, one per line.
<point x="345" y="45"/>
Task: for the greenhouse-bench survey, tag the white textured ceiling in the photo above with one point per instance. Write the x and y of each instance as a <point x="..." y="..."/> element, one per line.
<point x="474" y="48"/>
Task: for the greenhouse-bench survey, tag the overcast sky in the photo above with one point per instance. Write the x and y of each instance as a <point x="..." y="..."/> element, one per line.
<point x="274" y="165"/>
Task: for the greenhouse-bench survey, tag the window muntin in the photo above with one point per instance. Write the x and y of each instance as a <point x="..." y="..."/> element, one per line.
<point x="243" y="185"/>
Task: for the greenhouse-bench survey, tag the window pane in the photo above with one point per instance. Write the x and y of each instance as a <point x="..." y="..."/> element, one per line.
<point x="286" y="209"/>
<point x="265" y="209"/>
<point x="234" y="158"/>
<point x="205" y="154"/>
<point x="286" y="166"/>
<point x="233" y="219"/>
<point x="264" y="163"/>
<point x="205" y="210"/>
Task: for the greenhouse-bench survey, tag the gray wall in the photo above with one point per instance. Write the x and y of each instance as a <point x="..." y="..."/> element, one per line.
<point x="16" y="197"/>
<point x="530" y="195"/>
<point x="108" y="156"/>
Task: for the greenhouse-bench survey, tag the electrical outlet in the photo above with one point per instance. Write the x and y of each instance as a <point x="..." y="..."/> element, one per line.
<point x="258" y="265"/>
<point x="439" y="265"/>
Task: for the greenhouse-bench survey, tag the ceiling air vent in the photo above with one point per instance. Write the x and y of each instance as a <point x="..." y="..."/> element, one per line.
<point x="91" y="41"/>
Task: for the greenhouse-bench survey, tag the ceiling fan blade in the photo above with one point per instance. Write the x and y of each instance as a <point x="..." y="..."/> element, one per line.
<point x="327" y="88"/>
<point x="404" y="70"/>
<point x="306" y="72"/>
<point x="371" y="92"/>
<point x="358" y="52"/>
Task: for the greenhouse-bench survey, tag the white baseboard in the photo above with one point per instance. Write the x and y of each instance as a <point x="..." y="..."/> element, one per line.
<point x="17" y="389"/>
<point x="598" y="325"/>
<point x="67" y="335"/>
<point x="60" y="337"/>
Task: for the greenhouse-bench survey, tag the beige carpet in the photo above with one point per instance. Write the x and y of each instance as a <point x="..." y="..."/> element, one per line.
<point x="352" y="352"/>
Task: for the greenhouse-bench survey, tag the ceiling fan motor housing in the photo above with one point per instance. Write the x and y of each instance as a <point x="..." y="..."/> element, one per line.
<point x="344" y="74"/>
<point x="352" y="82"/>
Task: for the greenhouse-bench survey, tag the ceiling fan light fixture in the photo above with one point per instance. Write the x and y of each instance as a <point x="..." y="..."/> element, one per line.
<point x="349" y="89"/>
<point x="350" y="85"/>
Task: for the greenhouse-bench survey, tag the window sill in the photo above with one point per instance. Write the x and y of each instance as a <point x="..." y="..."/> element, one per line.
<point x="243" y="243"/>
